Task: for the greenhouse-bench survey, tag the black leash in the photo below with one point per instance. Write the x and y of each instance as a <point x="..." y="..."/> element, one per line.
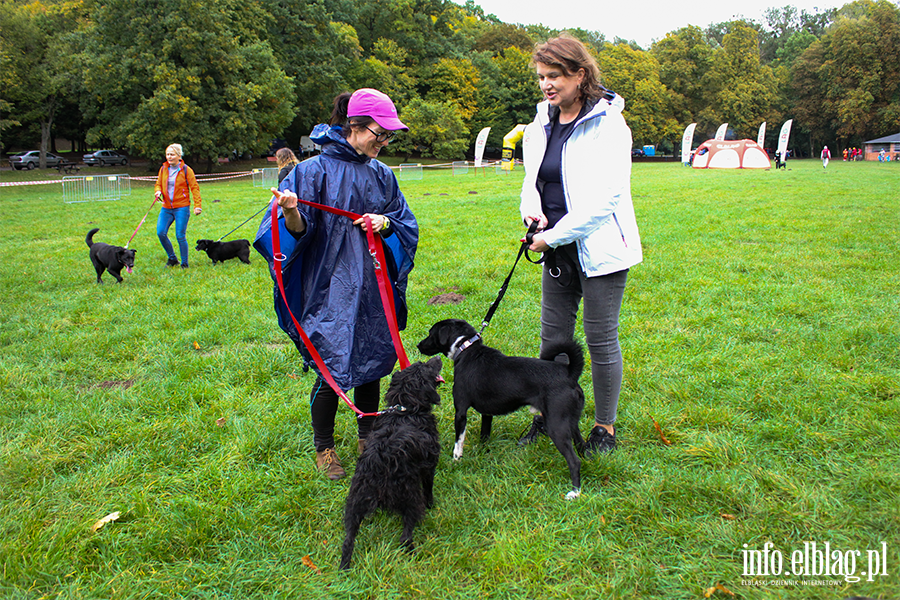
<point x="532" y="229"/>
<point x="242" y="224"/>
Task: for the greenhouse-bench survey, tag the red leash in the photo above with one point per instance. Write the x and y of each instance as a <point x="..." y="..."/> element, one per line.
<point x="142" y="221"/>
<point x="387" y="296"/>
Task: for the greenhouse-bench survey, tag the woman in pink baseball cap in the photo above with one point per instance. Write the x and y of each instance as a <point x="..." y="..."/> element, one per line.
<point x="329" y="280"/>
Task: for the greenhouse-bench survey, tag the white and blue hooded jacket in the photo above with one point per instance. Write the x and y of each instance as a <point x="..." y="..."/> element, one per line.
<point x="596" y="180"/>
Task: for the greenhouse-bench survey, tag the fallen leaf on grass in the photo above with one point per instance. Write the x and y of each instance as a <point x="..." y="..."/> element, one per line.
<point x="107" y="519"/>
<point x="292" y="375"/>
<point x="309" y="563"/>
<point x="221" y="421"/>
<point x="196" y="346"/>
<point x="727" y="517"/>
<point x="719" y="588"/>
<point x="659" y="431"/>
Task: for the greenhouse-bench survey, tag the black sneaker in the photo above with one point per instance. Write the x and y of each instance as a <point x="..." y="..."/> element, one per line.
<point x="599" y="442"/>
<point x="184" y="266"/>
<point x="537" y="428"/>
<point x="171" y="262"/>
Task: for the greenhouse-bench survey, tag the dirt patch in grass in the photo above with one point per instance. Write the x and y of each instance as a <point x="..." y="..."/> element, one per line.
<point x="447" y="298"/>
<point x="115" y="383"/>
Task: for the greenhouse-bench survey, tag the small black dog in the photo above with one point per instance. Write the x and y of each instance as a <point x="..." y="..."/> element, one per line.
<point x="222" y="251"/>
<point x="495" y="384"/>
<point x="109" y="258"/>
<point x="779" y="163"/>
<point x="395" y="471"/>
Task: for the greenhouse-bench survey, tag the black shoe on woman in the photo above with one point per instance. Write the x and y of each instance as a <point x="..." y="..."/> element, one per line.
<point x="599" y="441"/>
<point x="537" y="428"/>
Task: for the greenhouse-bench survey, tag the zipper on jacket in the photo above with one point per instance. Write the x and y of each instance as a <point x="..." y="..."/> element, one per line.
<point x="621" y="233"/>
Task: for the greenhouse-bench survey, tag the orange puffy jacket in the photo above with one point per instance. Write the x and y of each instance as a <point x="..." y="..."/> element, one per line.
<point x="184" y="181"/>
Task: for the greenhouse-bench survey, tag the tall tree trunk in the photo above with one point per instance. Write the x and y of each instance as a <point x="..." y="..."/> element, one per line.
<point x="45" y="132"/>
<point x="45" y="143"/>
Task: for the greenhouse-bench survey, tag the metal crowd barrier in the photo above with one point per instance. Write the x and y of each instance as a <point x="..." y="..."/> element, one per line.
<point x="95" y="188"/>
<point x="409" y="172"/>
<point x="265" y="178"/>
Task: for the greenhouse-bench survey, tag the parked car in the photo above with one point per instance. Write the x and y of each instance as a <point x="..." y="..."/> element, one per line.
<point x="31" y="159"/>
<point x="104" y="157"/>
<point x="637" y="152"/>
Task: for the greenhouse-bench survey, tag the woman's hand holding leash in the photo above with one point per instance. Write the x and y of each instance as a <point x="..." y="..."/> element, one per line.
<point x="379" y="222"/>
<point x="538" y="244"/>
<point x="541" y="221"/>
<point x="287" y="200"/>
<point x="537" y="240"/>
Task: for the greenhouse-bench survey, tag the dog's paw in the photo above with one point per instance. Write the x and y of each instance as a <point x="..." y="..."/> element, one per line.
<point x="457" y="451"/>
<point x="458" y="446"/>
<point x="573" y="494"/>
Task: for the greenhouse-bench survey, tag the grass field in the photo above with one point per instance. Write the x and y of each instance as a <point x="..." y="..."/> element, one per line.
<point x="760" y="335"/>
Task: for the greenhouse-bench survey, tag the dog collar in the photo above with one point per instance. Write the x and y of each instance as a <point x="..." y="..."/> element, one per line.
<point x="396" y="408"/>
<point x="459" y="350"/>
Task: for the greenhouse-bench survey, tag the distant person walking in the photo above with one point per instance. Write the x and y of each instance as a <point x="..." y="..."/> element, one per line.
<point x="826" y="156"/>
<point x="175" y="185"/>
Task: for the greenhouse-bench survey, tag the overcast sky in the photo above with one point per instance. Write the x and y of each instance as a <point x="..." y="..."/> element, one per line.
<point x="640" y="20"/>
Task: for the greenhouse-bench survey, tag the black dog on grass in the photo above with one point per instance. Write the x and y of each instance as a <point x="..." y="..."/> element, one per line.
<point x="109" y="258"/>
<point x="495" y="384"/>
<point x="395" y="471"/>
<point x="222" y="251"/>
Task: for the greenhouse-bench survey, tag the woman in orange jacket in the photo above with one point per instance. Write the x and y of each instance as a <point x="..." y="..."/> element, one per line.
<point x="174" y="186"/>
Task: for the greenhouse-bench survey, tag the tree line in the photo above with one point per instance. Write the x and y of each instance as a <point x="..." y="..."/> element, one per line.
<point x="226" y="76"/>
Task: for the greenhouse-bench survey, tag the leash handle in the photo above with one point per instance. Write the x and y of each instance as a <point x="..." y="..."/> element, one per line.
<point x="278" y="257"/>
<point x="523" y="249"/>
<point x="376" y="250"/>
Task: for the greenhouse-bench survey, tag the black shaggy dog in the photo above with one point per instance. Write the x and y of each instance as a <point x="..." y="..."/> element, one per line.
<point x="495" y="384"/>
<point x="395" y="471"/>
<point x="109" y="258"/>
<point x="222" y="251"/>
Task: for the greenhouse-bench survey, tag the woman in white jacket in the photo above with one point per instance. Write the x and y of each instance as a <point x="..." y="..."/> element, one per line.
<point x="577" y="156"/>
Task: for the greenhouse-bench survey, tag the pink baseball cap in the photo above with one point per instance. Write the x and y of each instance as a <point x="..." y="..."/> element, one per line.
<point x="367" y="102"/>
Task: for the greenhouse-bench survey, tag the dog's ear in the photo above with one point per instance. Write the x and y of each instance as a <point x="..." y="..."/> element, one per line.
<point x="445" y="335"/>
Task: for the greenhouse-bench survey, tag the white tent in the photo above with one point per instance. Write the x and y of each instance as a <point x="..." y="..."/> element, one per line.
<point x="731" y="154"/>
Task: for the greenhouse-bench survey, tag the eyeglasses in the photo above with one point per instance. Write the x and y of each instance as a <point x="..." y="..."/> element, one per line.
<point x="384" y="136"/>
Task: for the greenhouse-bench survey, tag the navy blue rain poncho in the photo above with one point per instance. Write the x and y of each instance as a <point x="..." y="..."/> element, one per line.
<point x="329" y="276"/>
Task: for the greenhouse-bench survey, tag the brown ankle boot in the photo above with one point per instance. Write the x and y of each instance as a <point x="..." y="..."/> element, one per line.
<point x="327" y="461"/>
<point x="361" y="445"/>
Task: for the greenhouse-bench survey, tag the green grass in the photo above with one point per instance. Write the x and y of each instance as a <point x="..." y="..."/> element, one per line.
<point x="760" y="333"/>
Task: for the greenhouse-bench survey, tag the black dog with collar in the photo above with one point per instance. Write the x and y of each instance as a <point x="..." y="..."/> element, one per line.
<point x="495" y="384"/>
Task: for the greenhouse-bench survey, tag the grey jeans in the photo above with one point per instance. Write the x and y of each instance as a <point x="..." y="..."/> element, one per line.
<point x="602" y="303"/>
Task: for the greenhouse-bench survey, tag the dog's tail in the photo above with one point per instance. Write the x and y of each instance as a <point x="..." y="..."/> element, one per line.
<point x="573" y="351"/>
<point x="89" y="240"/>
